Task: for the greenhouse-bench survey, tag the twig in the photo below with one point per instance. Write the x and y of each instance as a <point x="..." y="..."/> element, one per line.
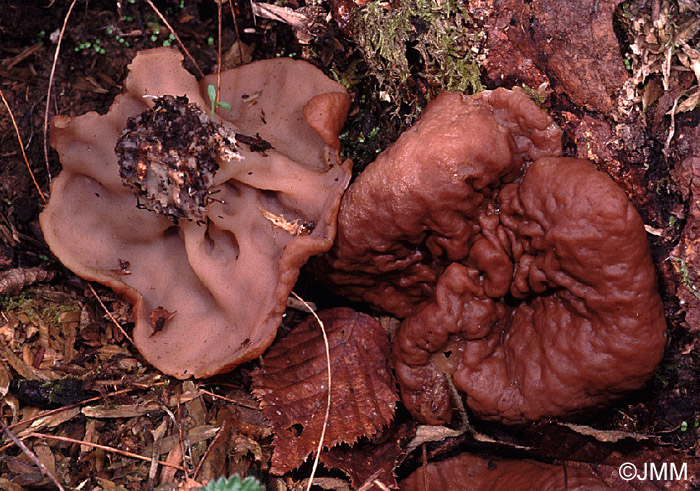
<point x="177" y="38"/>
<point x="21" y="146"/>
<point x="31" y="455"/>
<point x="48" y="92"/>
<point x="71" y="406"/>
<point x="155" y="451"/>
<point x="380" y="485"/>
<point x="109" y="314"/>
<point x="238" y="36"/>
<point x="125" y="453"/>
<point x="176" y="423"/>
<point x="51" y="412"/>
<point x="224" y="398"/>
<point x="328" y="402"/>
<point x="208" y="450"/>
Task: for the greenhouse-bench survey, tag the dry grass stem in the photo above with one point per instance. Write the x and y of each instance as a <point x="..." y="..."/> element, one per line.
<point x="21" y="146"/>
<point x="227" y="399"/>
<point x="328" y="402"/>
<point x="109" y="314"/>
<point x="238" y="36"/>
<point x="48" y="91"/>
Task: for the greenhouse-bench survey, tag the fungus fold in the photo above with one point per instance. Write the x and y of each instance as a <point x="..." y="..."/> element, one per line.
<point x="524" y="276"/>
<point x="209" y="259"/>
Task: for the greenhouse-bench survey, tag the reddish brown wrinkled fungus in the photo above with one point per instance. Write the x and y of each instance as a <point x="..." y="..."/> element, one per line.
<point x="209" y="278"/>
<point x="524" y="275"/>
<point x="467" y="471"/>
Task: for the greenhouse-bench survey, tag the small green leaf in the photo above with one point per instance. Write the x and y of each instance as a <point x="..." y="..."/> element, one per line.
<point x="224" y="105"/>
<point x="234" y="483"/>
<point x="211" y="90"/>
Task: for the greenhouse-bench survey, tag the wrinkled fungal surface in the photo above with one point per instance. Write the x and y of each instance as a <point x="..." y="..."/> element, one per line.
<point x="523" y="275"/>
<point x="209" y="282"/>
<point x="467" y="471"/>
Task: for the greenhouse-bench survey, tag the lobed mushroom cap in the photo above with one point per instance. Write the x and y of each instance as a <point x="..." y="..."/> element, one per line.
<point x="225" y="278"/>
<point x="523" y="275"/>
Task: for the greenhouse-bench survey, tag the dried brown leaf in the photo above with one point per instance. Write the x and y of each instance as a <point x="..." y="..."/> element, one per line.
<point x="158" y="318"/>
<point x="605" y="435"/>
<point x="690" y="102"/>
<point x="367" y="461"/>
<point x="51" y="421"/>
<point x="25" y="370"/>
<point x="292" y="385"/>
<point x="5" y="378"/>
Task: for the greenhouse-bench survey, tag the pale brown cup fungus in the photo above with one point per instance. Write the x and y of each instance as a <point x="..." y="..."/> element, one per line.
<point x="212" y="247"/>
<point x="530" y="284"/>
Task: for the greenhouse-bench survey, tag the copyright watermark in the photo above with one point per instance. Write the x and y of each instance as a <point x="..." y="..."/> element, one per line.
<point x="651" y="471"/>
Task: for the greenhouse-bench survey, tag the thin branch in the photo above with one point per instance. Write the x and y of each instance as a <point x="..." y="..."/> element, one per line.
<point x="224" y="398"/>
<point x="48" y="92"/>
<point x="177" y="38"/>
<point x="51" y="412"/>
<point x="103" y="447"/>
<point x="31" y="455"/>
<point x="21" y="146"/>
<point x="238" y="35"/>
<point x="111" y="317"/>
<point x="328" y="402"/>
<point x="208" y="450"/>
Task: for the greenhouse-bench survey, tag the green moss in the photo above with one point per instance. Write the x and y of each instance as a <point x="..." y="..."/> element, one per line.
<point x="35" y="308"/>
<point x="440" y="39"/>
<point x="685" y="276"/>
<point x="539" y="97"/>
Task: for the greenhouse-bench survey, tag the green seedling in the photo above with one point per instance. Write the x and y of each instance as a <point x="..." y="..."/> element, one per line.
<point x="211" y="90"/>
